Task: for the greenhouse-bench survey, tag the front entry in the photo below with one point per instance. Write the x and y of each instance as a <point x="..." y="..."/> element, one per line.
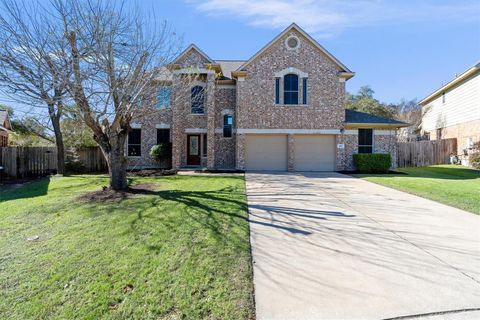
<point x="193" y="150"/>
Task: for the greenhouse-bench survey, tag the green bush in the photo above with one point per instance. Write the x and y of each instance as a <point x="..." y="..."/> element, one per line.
<point x="474" y="160"/>
<point x="161" y="152"/>
<point x="372" y="162"/>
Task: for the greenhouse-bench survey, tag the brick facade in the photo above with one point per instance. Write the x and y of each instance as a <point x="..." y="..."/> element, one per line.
<point x="250" y="99"/>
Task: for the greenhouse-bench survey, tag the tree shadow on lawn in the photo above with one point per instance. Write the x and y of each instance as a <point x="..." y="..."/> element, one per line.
<point x="26" y="190"/>
<point x="209" y="209"/>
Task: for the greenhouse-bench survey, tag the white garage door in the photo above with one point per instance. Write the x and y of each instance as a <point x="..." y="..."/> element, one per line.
<point x="314" y="153"/>
<point x="266" y="152"/>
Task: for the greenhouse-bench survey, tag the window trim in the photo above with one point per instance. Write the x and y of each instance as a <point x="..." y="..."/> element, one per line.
<point x="134" y="144"/>
<point x="366" y="145"/>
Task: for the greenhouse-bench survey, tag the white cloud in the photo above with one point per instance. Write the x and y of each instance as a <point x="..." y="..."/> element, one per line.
<point x="325" y="18"/>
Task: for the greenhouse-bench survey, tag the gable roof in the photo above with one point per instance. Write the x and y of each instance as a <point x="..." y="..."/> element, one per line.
<point x="353" y="118"/>
<point x="465" y="75"/>
<point x="187" y="50"/>
<point x="228" y="66"/>
<point x="295" y="27"/>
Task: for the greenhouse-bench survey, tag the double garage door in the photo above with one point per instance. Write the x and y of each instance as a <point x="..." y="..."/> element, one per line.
<point x="311" y="152"/>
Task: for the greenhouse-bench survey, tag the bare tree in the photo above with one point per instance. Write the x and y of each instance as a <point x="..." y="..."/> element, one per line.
<point x="31" y="71"/>
<point x="409" y="111"/>
<point x="116" y="57"/>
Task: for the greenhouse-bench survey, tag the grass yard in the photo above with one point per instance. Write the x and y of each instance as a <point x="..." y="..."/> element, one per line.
<point x="179" y="250"/>
<point x="449" y="184"/>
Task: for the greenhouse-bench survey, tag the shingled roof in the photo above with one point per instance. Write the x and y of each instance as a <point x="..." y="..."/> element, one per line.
<point x="353" y="117"/>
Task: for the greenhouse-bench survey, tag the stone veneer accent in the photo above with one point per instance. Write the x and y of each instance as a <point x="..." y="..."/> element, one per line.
<point x="291" y="152"/>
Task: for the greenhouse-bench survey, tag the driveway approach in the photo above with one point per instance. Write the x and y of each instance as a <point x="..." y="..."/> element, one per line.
<point x="329" y="246"/>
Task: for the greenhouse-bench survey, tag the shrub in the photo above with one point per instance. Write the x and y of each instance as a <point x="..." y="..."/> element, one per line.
<point x="474" y="159"/>
<point x="372" y="162"/>
<point x="160" y="152"/>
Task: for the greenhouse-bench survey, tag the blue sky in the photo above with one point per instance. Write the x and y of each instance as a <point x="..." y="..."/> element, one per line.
<point x="402" y="49"/>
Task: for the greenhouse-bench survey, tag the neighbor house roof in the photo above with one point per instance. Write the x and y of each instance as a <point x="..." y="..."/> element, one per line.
<point x="475" y="69"/>
<point x="5" y="121"/>
<point x="346" y="72"/>
<point x="360" y="119"/>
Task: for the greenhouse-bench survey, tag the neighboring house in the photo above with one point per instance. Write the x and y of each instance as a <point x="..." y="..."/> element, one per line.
<point x="453" y="111"/>
<point x="283" y="109"/>
<point x="5" y="128"/>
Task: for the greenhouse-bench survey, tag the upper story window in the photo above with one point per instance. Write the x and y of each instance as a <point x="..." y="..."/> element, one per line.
<point x="135" y="143"/>
<point x="227" y="126"/>
<point x="198" y="100"/>
<point x="290" y="89"/>
<point x="365" y="140"/>
<point x="164" y="94"/>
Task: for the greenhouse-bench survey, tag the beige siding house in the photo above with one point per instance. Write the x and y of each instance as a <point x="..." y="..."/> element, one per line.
<point x="281" y="110"/>
<point x="453" y="111"/>
<point x="5" y="128"/>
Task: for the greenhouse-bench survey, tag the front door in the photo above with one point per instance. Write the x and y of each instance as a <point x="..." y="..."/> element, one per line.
<point x="193" y="150"/>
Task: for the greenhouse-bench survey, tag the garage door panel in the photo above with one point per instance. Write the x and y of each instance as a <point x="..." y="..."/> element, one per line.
<point x="266" y="152"/>
<point x="314" y="153"/>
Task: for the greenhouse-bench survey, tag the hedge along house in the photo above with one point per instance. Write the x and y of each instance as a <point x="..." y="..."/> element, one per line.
<point x="282" y="110"/>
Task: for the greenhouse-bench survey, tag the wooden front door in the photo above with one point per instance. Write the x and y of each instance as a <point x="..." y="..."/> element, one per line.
<point x="193" y="150"/>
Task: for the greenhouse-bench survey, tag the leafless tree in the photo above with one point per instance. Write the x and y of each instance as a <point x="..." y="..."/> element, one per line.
<point x="117" y="54"/>
<point x="410" y="112"/>
<point x="31" y="71"/>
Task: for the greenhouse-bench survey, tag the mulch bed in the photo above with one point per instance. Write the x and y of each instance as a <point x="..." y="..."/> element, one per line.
<point x="109" y="195"/>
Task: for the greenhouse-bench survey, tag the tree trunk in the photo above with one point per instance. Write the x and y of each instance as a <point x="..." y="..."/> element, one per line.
<point x="117" y="163"/>
<point x="60" y="146"/>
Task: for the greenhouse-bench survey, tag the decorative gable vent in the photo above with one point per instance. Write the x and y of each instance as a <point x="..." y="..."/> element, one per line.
<point x="292" y="42"/>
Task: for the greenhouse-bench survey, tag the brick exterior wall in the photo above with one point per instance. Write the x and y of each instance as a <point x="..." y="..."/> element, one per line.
<point x="251" y="101"/>
<point x="326" y="94"/>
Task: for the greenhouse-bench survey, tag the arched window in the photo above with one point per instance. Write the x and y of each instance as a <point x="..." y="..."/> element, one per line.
<point x="198" y="99"/>
<point x="290" y="89"/>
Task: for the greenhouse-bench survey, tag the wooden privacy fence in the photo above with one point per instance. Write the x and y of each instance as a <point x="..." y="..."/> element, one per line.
<point x="92" y="159"/>
<point x="21" y="162"/>
<point x="425" y="153"/>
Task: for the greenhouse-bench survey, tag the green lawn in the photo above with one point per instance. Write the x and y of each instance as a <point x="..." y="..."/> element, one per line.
<point x="179" y="252"/>
<point x="453" y="185"/>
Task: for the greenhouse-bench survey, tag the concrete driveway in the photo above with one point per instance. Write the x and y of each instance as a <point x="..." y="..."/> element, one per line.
<point x="329" y="246"/>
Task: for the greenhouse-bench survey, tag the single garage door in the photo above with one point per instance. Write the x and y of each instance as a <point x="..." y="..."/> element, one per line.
<point x="314" y="153"/>
<point x="266" y="152"/>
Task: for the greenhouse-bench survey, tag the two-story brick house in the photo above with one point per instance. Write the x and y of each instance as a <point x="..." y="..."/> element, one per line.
<point x="283" y="109"/>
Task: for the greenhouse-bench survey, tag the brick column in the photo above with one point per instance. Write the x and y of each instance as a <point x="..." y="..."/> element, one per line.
<point x="210" y="121"/>
<point x="240" y="158"/>
<point x="290" y="152"/>
<point x="175" y="126"/>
